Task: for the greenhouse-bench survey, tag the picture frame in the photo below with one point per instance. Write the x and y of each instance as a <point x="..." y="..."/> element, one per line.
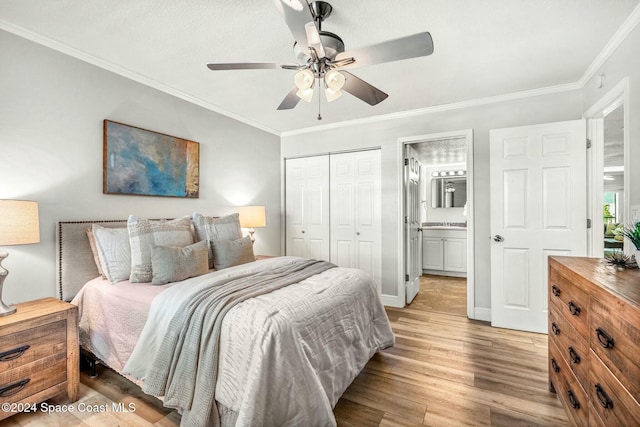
<point x="141" y="162"/>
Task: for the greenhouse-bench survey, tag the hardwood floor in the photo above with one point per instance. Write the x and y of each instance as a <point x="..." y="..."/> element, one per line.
<point x="444" y="370"/>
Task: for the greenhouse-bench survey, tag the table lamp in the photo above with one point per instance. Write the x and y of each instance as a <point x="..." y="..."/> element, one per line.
<point x="19" y="225"/>
<point x="252" y="217"/>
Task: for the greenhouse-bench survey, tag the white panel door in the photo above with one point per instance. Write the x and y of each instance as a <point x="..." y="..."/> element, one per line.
<point x="413" y="239"/>
<point x="356" y="211"/>
<point x="538" y="208"/>
<point x="307" y="207"/>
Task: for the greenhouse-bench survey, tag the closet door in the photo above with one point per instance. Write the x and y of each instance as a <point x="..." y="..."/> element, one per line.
<point x="307" y="207"/>
<point x="356" y="211"/>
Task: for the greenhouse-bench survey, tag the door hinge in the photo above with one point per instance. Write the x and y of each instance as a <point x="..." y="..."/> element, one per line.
<point x="588" y="223"/>
<point x="406" y="277"/>
<point x="406" y="162"/>
<point x="406" y="219"/>
<point x="588" y="143"/>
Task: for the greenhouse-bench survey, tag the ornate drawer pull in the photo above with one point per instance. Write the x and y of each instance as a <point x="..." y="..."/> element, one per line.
<point x="573" y="308"/>
<point x="555" y="366"/>
<point x="555" y="329"/>
<point x="13" y="354"/>
<point x="14" y="388"/>
<point x="572" y="400"/>
<point x="575" y="358"/>
<point x="605" y="339"/>
<point x="603" y="397"/>
<point x="555" y="290"/>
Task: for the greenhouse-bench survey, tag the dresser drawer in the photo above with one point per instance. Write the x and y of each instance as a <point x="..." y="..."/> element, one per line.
<point x="615" y="338"/>
<point x="24" y="347"/>
<point x="19" y="383"/>
<point x="612" y="402"/>
<point x="571" y="300"/>
<point x="573" y="349"/>
<point x="568" y="389"/>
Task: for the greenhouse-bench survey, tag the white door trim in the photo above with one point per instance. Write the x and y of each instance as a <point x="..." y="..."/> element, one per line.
<point x="618" y="95"/>
<point x="468" y="134"/>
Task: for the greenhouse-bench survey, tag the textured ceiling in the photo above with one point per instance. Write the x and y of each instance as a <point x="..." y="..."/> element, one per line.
<point x="483" y="48"/>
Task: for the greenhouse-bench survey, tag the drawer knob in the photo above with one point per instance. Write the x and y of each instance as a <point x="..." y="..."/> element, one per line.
<point x="604" y="338"/>
<point x="555" y="329"/>
<point x="575" y="358"/>
<point x="555" y="366"/>
<point x="555" y="290"/>
<point x="573" y="308"/>
<point x="13" y="354"/>
<point x="14" y="388"/>
<point x="572" y="400"/>
<point x="603" y="397"/>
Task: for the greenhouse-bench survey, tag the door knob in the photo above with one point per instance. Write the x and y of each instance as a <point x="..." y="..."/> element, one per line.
<point x="498" y="238"/>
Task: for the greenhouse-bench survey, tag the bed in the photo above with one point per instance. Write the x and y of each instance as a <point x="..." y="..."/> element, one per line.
<point x="279" y="350"/>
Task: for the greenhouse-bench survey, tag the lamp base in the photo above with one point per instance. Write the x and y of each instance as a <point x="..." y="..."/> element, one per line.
<point x="5" y="310"/>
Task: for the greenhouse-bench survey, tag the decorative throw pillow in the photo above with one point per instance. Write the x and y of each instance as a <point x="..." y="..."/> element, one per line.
<point x="143" y="233"/>
<point x="174" y="263"/>
<point x="223" y="228"/>
<point x="227" y="253"/>
<point x="114" y="252"/>
<point x="94" y="250"/>
<point x="609" y="229"/>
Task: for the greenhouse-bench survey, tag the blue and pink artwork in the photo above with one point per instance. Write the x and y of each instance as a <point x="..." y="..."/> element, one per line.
<point x="142" y="162"/>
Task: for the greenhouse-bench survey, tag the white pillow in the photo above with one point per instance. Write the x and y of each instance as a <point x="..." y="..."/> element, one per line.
<point x="143" y="233"/>
<point x="174" y="263"/>
<point x="114" y="252"/>
<point x="210" y="228"/>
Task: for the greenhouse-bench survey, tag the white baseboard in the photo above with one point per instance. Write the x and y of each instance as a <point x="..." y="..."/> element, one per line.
<point x="483" y="314"/>
<point x="392" y="301"/>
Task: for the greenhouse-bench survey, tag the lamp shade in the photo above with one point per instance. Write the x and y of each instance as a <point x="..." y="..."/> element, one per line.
<point x="252" y="216"/>
<point x="19" y="224"/>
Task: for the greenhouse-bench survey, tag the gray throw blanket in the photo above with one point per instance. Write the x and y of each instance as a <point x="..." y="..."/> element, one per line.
<point x="185" y="368"/>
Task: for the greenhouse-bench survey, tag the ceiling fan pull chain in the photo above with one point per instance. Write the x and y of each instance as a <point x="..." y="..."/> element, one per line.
<point x="319" y="100"/>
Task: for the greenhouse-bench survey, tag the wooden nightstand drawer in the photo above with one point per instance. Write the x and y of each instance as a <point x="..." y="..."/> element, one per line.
<point x="39" y="349"/>
<point x="24" y="347"/>
<point x="573" y="349"/>
<point x="573" y="397"/>
<point x="19" y="383"/>
<point x="572" y="302"/>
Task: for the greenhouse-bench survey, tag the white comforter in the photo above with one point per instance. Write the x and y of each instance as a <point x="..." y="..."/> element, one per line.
<point x="285" y="357"/>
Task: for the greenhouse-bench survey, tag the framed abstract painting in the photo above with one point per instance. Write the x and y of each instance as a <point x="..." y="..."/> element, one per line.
<point x="141" y="162"/>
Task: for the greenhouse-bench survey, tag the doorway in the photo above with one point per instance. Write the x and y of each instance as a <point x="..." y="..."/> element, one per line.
<point x="446" y="221"/>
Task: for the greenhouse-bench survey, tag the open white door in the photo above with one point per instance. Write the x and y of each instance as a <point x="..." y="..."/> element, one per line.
<point x="413" y="268"/>
<point x="538" y="208"/>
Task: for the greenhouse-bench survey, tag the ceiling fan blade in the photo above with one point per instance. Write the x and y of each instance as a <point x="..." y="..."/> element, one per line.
<point x="363" y="90"/>
<point x="243" y="66"/>
<point x="289" y="101"/>
<point x="420" y="44"/>
<point x="299" y="18"/>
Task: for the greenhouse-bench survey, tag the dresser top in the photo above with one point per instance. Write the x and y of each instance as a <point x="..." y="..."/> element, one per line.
<point x="624" y="284"/>
<point x="33" y="309"/>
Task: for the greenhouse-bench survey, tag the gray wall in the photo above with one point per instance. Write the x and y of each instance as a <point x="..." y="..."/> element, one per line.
<point x="385" y="133"/>
<point x="51" y="112"/>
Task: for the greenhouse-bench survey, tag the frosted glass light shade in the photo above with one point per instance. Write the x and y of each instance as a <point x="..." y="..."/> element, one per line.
<point x="19" y="224"/>
<point x="252" y="216"/>
<point x="334" y="80"/>
<point x="304" y="79"/>
<point x="331" y="94"/>
<point x="305" y="94"/>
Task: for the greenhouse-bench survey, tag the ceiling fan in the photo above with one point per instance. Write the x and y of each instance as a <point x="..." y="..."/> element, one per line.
<point x="321" y="56"/>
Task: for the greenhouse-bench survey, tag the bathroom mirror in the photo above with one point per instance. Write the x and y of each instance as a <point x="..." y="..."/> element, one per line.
<point x="449" y="192"/>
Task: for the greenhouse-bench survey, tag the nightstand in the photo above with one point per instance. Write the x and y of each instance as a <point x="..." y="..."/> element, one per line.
<point x="38" y="354"/>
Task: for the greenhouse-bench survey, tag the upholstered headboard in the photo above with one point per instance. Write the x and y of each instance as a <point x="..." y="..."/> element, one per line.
<point x="74" y="260"/>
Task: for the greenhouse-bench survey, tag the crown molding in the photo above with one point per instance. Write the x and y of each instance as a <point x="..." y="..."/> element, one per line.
<point x="440" y="108"/>
<point x="625" y="29"/>
<point x="124" y="72"/>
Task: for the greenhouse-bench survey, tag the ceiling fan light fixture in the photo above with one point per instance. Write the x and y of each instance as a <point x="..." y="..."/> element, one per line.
<point x="334" y="80"/>
<point x="305" y="94"/>
<point x="304" y="79"/>
<point x="331" y="94"/>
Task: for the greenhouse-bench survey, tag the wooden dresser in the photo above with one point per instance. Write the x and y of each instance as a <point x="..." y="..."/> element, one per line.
<point x="38" y="355"/>
<point x="594" y="341"/>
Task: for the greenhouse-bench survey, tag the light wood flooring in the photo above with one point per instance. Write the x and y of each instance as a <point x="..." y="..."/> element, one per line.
<point x="444" y="370"/>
